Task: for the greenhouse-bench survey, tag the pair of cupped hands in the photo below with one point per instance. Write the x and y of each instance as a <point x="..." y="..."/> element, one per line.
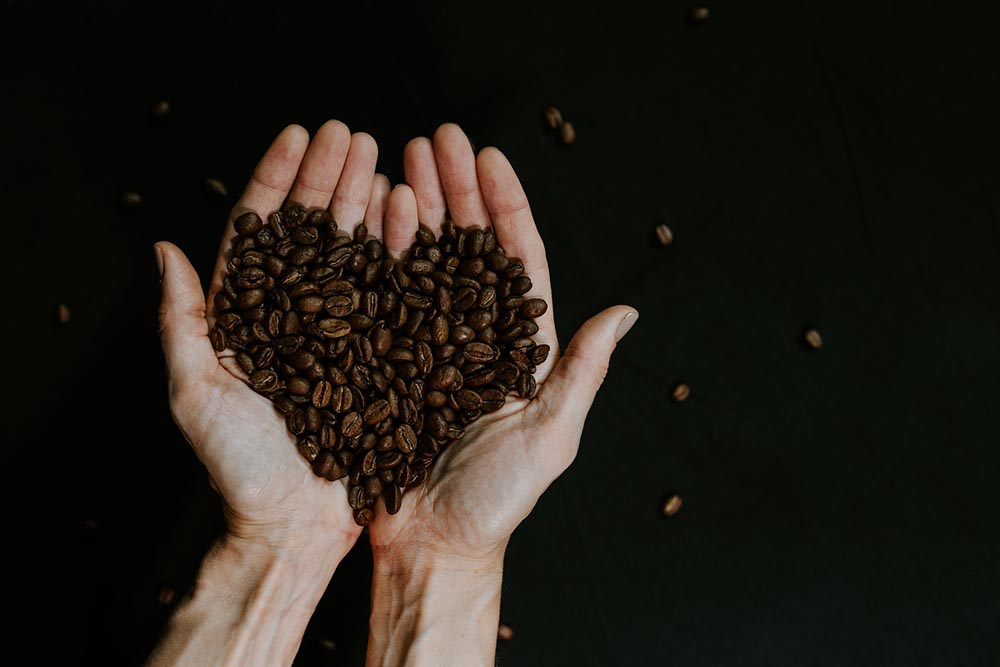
<point x="438" y="561"/>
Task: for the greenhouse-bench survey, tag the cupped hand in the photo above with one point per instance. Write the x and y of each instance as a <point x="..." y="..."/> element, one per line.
<point x="269" y="491"/>
<point x="485" y="484"/>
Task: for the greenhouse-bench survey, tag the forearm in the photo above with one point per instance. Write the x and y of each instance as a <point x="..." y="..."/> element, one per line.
<point x="433" y="610"/>
<point x="250" y="605"/>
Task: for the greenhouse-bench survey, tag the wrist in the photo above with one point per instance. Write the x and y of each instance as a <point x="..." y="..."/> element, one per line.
<point x="250" y="604"/>
<point x="434" y="608"/>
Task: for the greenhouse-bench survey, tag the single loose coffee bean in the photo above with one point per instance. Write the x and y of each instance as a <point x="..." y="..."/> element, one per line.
<point x="672" y="504"/>
<point x="215" y="187"/>
<point x="130" y="199"/>
<point x="699" y="15"/>
<point x="363" y="517"/>
<point x="663" y="234"/>
<point x="566" y="133"/>
<point x="813" y="339"/>
<point x="505" y="632"/>
<point x="62" y="314"/>
<point x="160" y="109"/>
<point x="681" y="392"/>
<point x="552" y="117"/>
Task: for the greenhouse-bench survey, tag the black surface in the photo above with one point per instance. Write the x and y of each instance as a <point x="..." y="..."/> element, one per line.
<point x="826" y="164"/>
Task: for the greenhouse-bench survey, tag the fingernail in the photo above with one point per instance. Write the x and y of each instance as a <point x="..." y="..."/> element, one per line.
<point x="627" y="323"/>
<point x="158" y="256"/>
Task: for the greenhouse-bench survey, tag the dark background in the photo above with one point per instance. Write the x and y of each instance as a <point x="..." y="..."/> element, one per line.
<point x="822" y="164"/>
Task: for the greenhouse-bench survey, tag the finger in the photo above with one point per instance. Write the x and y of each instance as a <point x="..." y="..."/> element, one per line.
<point x="375" y="212"/>
<point x="569" y="391"/>
<point x="456" y="164"/>
<point x="421" y="173"/>
<point x="269" y="185"/>
<point x="515" y="230"/>
<point x="322" y="165"/>
<point x="183" y="328"/>
<point x="350" y="198"/>
<point x="400" y="224"/>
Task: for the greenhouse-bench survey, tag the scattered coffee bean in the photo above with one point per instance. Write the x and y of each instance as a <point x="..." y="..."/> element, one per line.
<point x="698" y="15"/>
<point x="672" y="504"/>
<point x="165" y="595"/>
<point x="130" y="199"/>
<point x="62" y="314"/>
<point x="505" y="632"/>
<point x="566" y="133"/>
<point x="160" y="109"/>
<point x="813" y="339"/>
<point x="327" y="645"/>
<point x="681" y="392"/>
<point x="376" y="365"/>
<point x="552" y="117"/>
<point x="663" y="234"/>
<point x="215" y="187"/>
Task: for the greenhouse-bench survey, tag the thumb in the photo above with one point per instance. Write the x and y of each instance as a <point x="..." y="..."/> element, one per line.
<point x="571" y="387"/>
<point x="183" y="327"/>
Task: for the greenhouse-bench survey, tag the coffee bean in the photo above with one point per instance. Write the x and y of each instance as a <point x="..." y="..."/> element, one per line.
<point x="505" y="632"/>
<point x="681" y="392"/>
<point x="533" y="308"/>
<point x="813" y="339"/>
<point x="393" y="498"/>
<point x="351" y="425"/>
<point x="566" y="133"/>
<point x="215" y="187"/>
<point x="363" y="517"/>
<point x="333" y="328"/>
<point x="663" y="234"/>
<point x="672" y="504"/>
<point x="248" y="223"/>
<point x="130" y="200"/>
<point x="376" y="411"/>
<point x="160" y="109"/>
<point x="406" y="439"/>
<point x="526" y="385"/>
<point x="699" y="15"/>
<point x="552" y="117"/>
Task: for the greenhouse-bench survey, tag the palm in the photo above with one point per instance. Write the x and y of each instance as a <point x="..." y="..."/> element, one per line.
<point x="241" y="439"/>
<point x="482" y="486"/>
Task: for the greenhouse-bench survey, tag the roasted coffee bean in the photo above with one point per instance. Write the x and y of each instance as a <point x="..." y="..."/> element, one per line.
<point x="552" y="117"/>
<point x="341" y="398"/>
<point x="671" y="504"/>
<point x="813" y="339"/>
<point x="441" y="377"/>
<point x="388" y="459"/>
<point x="526" y="385"/>
<point x="248" y="224"/>
<point x="493" y="399"/>
<point x="663" y="234"/>
<point x="698" y="15"/>
<point x="393" y="498"/>
<point x="406" y="438"/>
<point x="351" y="425"/>
<point x="681" y="392"/>
<point x="467" y="399"/>
<point x="214" y="187"/>
<point x="296" y="422"/>
<point x="333" y="328"/>
<point x="566" y="133"/>
<point x="264" y="380"/>
<point x="376" y="411"/>
<point x="321" y="394"/>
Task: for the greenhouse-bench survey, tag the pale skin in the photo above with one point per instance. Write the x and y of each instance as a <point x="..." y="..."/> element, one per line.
<point x="438" y="562"/>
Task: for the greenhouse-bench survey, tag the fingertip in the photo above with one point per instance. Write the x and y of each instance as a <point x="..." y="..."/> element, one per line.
<point x="295" y="134"/>
<point x="365" y="142"/>
<point x="416" y="144"/>
<point x="334" y="126"/>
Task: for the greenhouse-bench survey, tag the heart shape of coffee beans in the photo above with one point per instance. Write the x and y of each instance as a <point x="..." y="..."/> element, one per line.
<point x="377" y="364"/>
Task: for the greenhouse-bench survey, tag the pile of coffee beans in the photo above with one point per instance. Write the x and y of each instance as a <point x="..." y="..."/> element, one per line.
<point x="376" y="363"/>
